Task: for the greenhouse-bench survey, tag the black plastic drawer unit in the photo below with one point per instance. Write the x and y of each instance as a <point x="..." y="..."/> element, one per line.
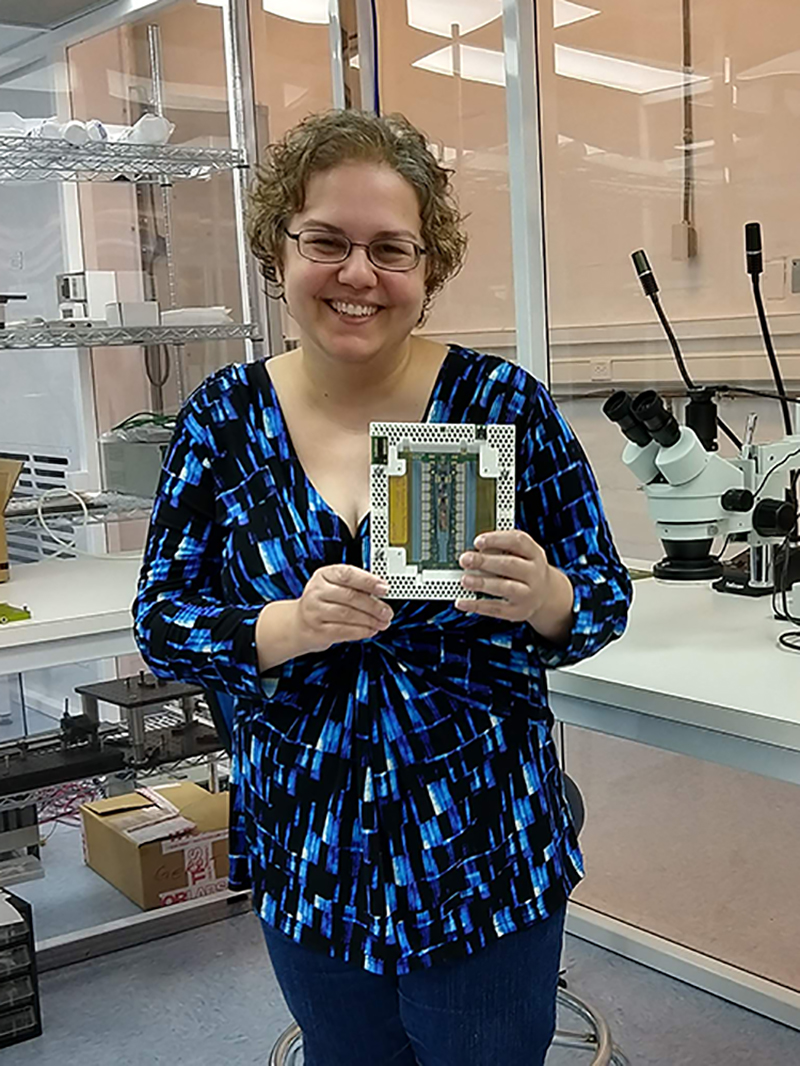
<point x="20" y="1013"/>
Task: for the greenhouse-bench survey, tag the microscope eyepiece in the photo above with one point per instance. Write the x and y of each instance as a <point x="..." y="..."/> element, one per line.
<point x="617" y="409"/>
<point x="648" y="407"/>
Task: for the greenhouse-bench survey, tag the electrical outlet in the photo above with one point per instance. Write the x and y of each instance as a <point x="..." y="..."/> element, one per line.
<point x="601" y="370"/>
<point x="684" y="242"/>
<point x="773" y="282"/>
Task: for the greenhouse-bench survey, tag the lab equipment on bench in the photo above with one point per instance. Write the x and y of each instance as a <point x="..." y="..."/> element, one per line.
<point x="693" y="494"/>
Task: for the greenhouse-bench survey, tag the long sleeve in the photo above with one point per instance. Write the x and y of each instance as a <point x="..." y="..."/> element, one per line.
<point x="559" y="505"/>
<point x="183" y="625"/>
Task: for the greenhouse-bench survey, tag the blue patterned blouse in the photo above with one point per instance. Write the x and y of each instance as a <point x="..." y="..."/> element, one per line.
<point x="396" y="801"/>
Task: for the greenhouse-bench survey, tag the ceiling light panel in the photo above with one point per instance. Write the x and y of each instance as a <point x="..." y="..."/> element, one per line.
<point x="311" y="11"/>
<point x="439" y="16"/>
<point x="486" y="65"/>
<point x="314" y="12"/>
<point x="477" y="64"/>
<point x="565" y="13"/>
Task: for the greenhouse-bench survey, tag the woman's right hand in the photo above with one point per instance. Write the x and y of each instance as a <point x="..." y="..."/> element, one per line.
<point x="339" y="604"/>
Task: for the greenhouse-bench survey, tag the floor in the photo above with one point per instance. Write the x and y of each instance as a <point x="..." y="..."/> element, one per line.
<point x="70" y="896"/>
<point x="208" y="996"/>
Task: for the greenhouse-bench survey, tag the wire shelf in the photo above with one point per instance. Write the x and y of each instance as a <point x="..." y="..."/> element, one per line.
<point x="101" y="506"/>
<point x="39" y="159"/>
<point x="77" y="336"/>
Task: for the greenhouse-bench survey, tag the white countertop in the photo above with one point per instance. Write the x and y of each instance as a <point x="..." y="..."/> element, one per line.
<point x="689" y="655"/>
<point x="694" y="655"/>
<point x="80" y="607"/>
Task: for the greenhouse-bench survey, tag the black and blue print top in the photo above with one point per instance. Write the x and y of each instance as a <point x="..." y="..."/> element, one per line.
<point x="395" y="801"/>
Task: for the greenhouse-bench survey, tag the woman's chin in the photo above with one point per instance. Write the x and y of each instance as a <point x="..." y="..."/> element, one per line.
<point x="352" y="350"/>
<point x="357" y="345"/>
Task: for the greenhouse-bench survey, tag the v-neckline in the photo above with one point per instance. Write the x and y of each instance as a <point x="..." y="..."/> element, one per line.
<point x="273" y="392"/>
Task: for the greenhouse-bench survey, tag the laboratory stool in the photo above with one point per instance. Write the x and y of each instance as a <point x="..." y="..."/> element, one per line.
<point x="288" y="1051"/>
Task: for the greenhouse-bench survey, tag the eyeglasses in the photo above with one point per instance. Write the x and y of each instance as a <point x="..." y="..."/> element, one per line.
<point x="386" y="253"/>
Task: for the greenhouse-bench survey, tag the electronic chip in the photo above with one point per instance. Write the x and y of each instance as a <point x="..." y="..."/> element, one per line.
<point x="434" y="488"/>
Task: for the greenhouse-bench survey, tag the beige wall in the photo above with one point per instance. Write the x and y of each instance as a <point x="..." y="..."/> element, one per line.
<point x="612" y="170"/>
<point x="616" y="184"/>
<point x="467" y="123"/>
<point x="688" y="850"/>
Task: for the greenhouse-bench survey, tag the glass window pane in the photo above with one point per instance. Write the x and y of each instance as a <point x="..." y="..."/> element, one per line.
<point x="464" y="120"/>
<point x="668" y="133"/>
<point x="292" y="74"/>
<point x="692" y="851"/>
<point x="177" y="244"/>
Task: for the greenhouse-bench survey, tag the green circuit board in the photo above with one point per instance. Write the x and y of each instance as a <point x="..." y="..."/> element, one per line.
<point x="439" y="505"/>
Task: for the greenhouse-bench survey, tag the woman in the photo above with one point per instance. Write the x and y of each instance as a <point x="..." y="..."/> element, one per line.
<point x="397" y="805"/>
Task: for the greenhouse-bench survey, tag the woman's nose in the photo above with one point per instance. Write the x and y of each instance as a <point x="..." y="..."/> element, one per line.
<point x="357" y="270"/>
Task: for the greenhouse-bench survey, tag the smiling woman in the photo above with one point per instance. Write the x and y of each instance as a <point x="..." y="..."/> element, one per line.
<point x="397" y="804"/>
<point x="329" y="140"/>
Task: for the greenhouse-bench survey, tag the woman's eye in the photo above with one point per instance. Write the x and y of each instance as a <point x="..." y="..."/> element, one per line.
<point x="325" y="244"/>
<point x="390" y="250"/>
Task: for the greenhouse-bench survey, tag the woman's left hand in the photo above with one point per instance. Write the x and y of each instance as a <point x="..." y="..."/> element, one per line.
<point x="510" y="566"/>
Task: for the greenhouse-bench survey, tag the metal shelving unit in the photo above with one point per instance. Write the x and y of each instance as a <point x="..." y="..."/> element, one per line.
<point x="38" y="159"/>
<point x="75" y="336"/>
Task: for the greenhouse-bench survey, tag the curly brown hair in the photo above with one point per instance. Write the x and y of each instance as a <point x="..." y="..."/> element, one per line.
<point x="325" y="140"/>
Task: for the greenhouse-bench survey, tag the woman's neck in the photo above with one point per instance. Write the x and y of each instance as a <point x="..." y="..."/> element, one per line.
<point x="339" y="387"/>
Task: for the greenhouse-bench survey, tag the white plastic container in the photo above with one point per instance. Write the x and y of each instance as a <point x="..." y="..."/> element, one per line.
<point x="150" y="129"/>
<point x="96" y="130"/>
<point x="11" y="125"/>
<point x="141" y="313"/>
<point x="196" y="316"/>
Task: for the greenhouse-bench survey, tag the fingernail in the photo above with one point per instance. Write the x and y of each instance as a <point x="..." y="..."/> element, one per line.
<point x="382" y="589"/>
<point x="479" y="542"/>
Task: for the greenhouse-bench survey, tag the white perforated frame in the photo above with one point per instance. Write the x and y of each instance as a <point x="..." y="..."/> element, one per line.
<point x="495" y="445"/>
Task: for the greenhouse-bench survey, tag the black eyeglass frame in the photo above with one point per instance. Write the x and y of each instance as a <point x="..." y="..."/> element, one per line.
<point x="358" y="244"/>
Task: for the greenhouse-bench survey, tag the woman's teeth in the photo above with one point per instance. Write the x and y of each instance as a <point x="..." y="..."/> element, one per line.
<point x="354" y="310"/>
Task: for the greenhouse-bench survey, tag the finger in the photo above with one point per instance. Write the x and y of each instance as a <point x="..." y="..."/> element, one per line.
<point x="500" y="588"/>
<point x="514" y="541"/>
<point x="510" y="566"/>
<point x="353" y="577"/>
<point x="352" y="600"/>
<point x="488" y="608"/>
<point x="339" y="614"/>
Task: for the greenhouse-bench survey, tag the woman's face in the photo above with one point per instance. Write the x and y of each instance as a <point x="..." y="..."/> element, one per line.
<point x="353" y="311"/>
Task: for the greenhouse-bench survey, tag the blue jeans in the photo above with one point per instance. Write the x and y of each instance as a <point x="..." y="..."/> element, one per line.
<point x="495" y="1008"/>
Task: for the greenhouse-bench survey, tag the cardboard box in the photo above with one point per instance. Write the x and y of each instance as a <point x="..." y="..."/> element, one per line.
<point x="10" y="469"/>
<point x="159" y="845"/>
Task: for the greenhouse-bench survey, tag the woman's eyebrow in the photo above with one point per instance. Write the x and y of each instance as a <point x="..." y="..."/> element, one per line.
<point x="317" y="223"/>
